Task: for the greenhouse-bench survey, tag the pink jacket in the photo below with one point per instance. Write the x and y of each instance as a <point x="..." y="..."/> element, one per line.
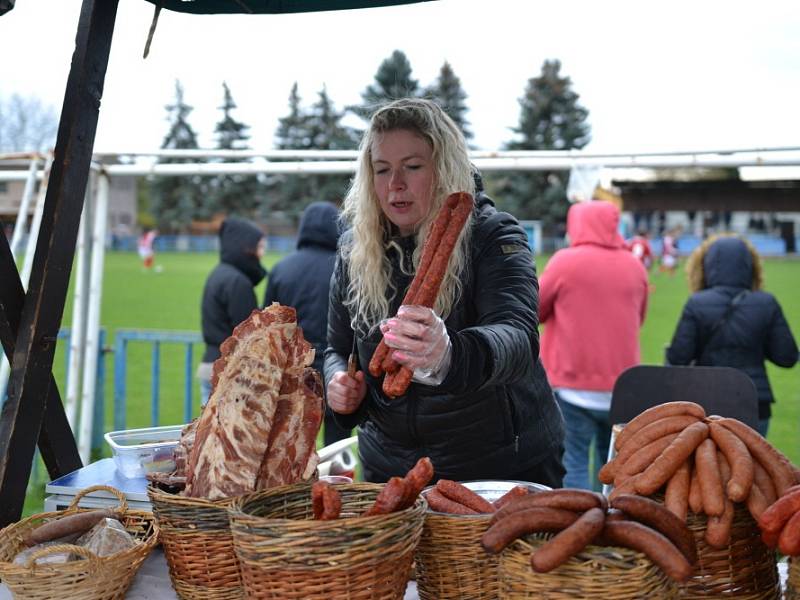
<point x="593" y="300"/>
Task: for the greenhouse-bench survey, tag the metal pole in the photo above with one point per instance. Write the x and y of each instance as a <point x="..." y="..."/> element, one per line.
<point x="93" y="319"/>
<point x="24" y="207"/>
<point x="80" y="306"/>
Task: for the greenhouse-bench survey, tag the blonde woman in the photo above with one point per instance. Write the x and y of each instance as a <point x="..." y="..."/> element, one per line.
<point x="729" y="321"/>
<point x="479" y="405"/>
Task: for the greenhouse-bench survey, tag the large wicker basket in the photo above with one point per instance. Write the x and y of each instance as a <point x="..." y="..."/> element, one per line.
<point x="746" y="569"/>
<point x="793" y="580"/>
<point x="198" y="546"/>
<point x="286" y="555"/>
<point x="599" y="572"/>
<point x="93" y="578"/>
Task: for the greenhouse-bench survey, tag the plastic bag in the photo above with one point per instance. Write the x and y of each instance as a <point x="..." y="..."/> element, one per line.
<point x="107" y="537"/>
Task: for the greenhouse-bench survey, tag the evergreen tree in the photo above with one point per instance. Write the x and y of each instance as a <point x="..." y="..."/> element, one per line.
<point x="318" y="128"/>
<point x="392" y="81"/>
<point x="550" y="119"/>
<point x="231" y="194"/>
<point x="176" y="200"/>
<point x="448" y="93"/>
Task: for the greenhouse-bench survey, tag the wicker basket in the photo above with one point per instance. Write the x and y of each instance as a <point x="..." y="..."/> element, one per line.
<point x="198" y="546"/>
<point x="286" y="555"/>
<point x="95" y="578"/>
<point x="746" y="569"/>
<point x="597" y="572"/>
<point x="793" y="580"/>
<point x="450" y="561"/>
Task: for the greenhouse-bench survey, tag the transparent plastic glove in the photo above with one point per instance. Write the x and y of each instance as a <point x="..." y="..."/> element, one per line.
<point x="418" y="339"/>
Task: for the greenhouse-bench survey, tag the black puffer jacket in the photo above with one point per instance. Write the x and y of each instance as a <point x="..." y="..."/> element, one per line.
<point x="494" y="414"/>
<point x="228" y="296"/>
<point x="755" y="329"/>
<point x="303" y="278"/>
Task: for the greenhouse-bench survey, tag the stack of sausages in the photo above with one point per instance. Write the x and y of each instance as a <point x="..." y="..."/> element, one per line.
<point x="580" y="518"/>
<point x="424" y="289"/>
<point x="780" y="523"/>
<point x="398" y="493"/>
<point x="703" y="463"/>
<point x="456" y="499"/>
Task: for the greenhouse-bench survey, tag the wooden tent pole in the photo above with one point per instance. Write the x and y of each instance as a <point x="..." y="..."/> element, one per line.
<point x="56" y="441"/>
<point x="31" y="371"/>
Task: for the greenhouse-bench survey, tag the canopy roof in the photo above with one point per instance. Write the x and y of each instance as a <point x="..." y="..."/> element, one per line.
<point x="270" y="6"/>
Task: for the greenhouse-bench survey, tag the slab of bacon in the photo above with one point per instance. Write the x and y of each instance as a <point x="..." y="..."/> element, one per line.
<point x="260" y="424"/>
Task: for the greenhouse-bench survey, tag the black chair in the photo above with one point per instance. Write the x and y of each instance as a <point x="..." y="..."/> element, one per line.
<point x="720" y="391"/>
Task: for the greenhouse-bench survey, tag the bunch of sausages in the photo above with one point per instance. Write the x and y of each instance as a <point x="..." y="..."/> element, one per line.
<point x="780" y="523"/>
<point x="703" y="463"/>
<point x="580" y="518"/>
<point x="424" y="289"/>
<point x="456" y="499"/>
<point x="399" y="493"/>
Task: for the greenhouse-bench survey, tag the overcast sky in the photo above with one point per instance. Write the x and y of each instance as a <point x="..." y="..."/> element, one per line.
<point x="677" y="75"/>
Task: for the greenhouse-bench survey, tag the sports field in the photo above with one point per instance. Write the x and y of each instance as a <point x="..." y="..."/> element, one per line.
<point x="168" y="298"/>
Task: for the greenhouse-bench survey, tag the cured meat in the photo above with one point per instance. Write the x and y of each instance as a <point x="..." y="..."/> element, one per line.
<point x="293" y="437"/>
<point x="234" y="429"/>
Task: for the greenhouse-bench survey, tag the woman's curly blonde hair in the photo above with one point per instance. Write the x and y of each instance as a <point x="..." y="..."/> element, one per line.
<point x="695" y="271"/>
<point x="369" y="267"/>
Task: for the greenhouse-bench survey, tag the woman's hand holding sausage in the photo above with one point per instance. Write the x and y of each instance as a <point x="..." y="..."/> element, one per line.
<point x="419" y="340"/>
<point x="345" y="393"/>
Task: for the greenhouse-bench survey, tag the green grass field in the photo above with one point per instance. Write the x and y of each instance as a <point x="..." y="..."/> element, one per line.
<point x="170" y="300"/>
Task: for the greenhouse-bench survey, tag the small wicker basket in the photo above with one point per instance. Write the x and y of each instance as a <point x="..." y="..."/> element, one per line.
<point x="451" y="563"/>
<point x="198" y="546"/>
<point x="746" y="569"/>
<point x="94" y="578"/>
<point x="285" y="554"/>
<point x="603" y="572"/>
<point x="793" y="580"/>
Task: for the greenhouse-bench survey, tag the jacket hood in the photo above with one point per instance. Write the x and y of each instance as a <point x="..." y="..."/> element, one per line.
<point x="238" y="240"/>
<point x="319" y="226"/>
<point x="594" y="222"/>
<point x="728" y="262"/>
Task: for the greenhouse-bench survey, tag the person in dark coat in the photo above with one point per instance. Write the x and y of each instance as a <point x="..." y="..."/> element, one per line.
<point x="479" y="405"/>
<point x="747" y="323"/>
<point x="302" y="280"/>
<point x="229" y="296"/>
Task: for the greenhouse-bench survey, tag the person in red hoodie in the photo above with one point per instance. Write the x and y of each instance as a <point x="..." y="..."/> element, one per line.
<point x="593" y="301"/>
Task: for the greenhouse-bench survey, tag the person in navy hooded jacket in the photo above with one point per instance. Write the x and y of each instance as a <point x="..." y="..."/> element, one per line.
<point x="729" y="321"/>
<point x="302" y="280"/>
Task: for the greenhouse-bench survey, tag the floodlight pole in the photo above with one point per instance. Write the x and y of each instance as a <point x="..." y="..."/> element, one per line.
<point x="32" y="390"/>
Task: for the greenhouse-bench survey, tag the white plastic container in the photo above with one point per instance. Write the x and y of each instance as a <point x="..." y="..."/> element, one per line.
<point x="140" y="451"/>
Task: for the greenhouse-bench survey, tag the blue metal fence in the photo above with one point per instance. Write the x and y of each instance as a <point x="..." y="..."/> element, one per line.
<point x="121" y="339"/>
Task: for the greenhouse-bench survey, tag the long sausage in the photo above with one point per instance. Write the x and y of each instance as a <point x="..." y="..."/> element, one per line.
<point x="739" y="459"/>
<point x="463" y="495"/>
<point x="662" y="520"/>
<point x="532" y="520"/>
<point x="709" y="478"/>
<point x="718" y="528"/>
<point x="641" y="460"/>
<point x="79" y="522"/>
<point x="511" y="495"/>
<point x="654" y="545"/>
<point x="416" y="480"/>
<point x="382" y="359"/>
<point x="389" y="499"/>
<point x="676" y="498"/>
<point x="566" y="499"/>
<point x="438" y="502"/>
<point x="695" y="495"/>
<point x="568" y="542"/>
<point x="655" y="413"/>
<point x="774" y="462"/>
<point x="762" y="479"/>
<point x="673" y="457"/>
<point x="789" y="540"/>
<point x="776" y="516"/>
<point x="652" y="432"/>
